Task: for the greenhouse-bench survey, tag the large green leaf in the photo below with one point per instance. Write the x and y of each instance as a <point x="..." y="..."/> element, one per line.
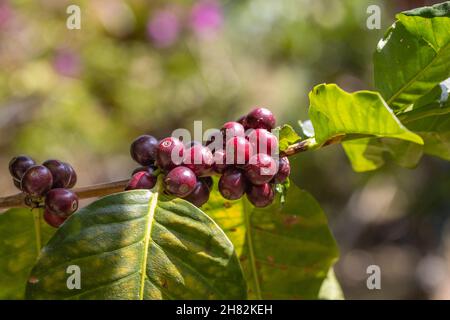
<point x="430" y="118"/>
<point x="414" y="55"/>
<point x="335" y="113"/>
<point x="432" y="123"/>
<point x="19" y="249"/>
<point x="138" y="245"/>
<point x="288" y="249"/>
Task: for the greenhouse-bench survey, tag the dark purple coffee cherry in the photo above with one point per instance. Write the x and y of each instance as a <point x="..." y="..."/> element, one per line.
<point x="261" y="196"/>
<point x="232" y="184"/>
<point x="62" y="202"/>
<point x="208" y="181"/>
<point x="200" y="195"/>
<point x="141" y="180"/>
<point x="263" y="141"/>
<point x="199" y="159"/>
<point x="220" y="161"/>
<point x="170" y="153"/>
<point x="143" y="150"/>
<point x="53" y="219"/>
<point x="148" y="169"/>
<point x="260" y="169"/>
<point x="37" y="181"/>
<point x="242" y="121"/>
<point x="60" y="172"/>
<point x="238" y="151"/>
<point x="180" y="181"/>
<point x="18" y="165"/>
<point x="17" y="184"/>
<point x="260" y="118"/>
<point x="284" y="170"/>
<point x="73" y="176"/>
<point x="232" y="129"/>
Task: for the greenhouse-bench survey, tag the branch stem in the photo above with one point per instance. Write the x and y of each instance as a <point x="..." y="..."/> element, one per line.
<point x="103" y="189"/>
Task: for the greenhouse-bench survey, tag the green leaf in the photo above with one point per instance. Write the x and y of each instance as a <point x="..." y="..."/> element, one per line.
<point x="286" y="136"/>
<point x="432" y="123"/>
<point x="414" y="55"/>
<point x="335" y="113"/>
<point x="364" y="154"/>
<point x="18" y="250"/>
<point x="288" y="248"/>
<point x="138" y="245"/>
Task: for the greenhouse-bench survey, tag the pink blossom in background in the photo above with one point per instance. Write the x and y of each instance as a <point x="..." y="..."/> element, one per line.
<point x="163" y="28"/>
<point x="67" y="63"/>
<point x="5" y="13"/>
<point x="206" y="17"/>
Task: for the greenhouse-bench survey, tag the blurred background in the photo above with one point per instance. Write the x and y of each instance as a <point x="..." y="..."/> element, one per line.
<point x="141" y="66"/>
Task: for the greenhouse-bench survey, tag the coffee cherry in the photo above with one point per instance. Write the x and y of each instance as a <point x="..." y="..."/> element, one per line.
<point x="208" y="181"/>
<point x="73" y="176"/>
<point x="232" y="129"/>
<point x="199" y="159"/>
<point x="37" y="181"/>
<point x="148" y="169"/>
<point x="242" y="121"/>
<point x="263" y="141"/>
<point x="219" y="161"/>
<point x="200" y="195"/>
<point x="260" y="118"/>
<point x="284" y="170"/>
<point x="17" y="184"/>
<point x="261" y="196"/>
<point x="61" y="202"/>
<point x="18" y="166"/>
<point x="238" y="151"/>
<point x="169" y="153"/>
<point x="60" y="173"/>
<point x="141" y="180"/>
<point x="180" y="181"/>
<point x="232" y="184"/>
<point x="260" y="169"/>
<point x="143" y="150"/>
<point x="52" y="219"/>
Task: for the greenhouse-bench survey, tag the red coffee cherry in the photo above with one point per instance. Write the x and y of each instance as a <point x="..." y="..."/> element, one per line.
<point x="200" y="195"/>
<point x="61" y="173"/>
<point x="263" y="141"/>
<point x="260" y="118"/>
<point x="52" y="219"/>
<point x="18" y="165"/>
<point x="260" y="169"/>
<point x="284" y="170"/>
<point x="170" y="153"/>
<point x="73" y="176"/>
<point x="220" y="161"/>
<point x="232" y="129"/>
<point x="232" y="184"/>
<point x="199" y="159"/>
<point x="141" y="180"/>
<point x="238" y="151"/>
<point x="261" y="195"/>
<point x="62" y="202"/>
<point x="37" y="181"/>
<point x="180" y="181"/>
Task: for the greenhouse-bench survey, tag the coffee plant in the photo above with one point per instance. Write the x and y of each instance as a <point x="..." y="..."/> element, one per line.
<point x="220" y="219"/>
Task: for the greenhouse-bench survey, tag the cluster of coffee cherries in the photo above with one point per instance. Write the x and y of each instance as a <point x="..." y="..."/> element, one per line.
<point x="242" y="152"/>
<point x="46" y="185"/>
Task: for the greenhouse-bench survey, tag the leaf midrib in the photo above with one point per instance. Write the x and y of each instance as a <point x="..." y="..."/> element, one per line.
<point x="251" y="252"/>
<point x="153" y="201"/>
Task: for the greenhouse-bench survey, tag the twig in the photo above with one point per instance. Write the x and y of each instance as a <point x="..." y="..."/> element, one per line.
<point x="99" y="190"/>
